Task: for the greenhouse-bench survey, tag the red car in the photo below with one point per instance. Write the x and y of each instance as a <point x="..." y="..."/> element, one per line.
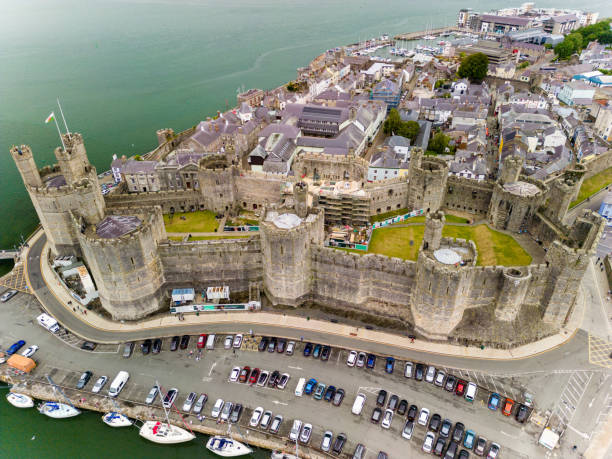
<point x="202" y="340"/>
<point x="508" y="406"/>
<point x="244" y="374"/>
<point x="254" y="375"/>
<point x="460" y="389"/>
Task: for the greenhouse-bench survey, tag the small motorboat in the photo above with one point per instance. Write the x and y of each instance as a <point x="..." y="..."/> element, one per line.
<point x="160" y="432"/>
<point x="226" y="447"/>
<point x="281" y="455"/>
<point x="20" y="400"/>
<point x="115" y="419"/>
<point x="58" y="410"/>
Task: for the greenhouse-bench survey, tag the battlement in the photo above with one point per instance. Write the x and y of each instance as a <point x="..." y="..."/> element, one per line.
<point x="311" y="222"/>
<point x="48" y="170"/>
<point x="372" y="186"/>
<point x="83" y="186"/>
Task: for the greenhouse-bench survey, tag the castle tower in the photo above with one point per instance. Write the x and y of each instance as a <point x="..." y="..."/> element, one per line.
<point x="512" y="295"/>
<point x="560" y="197"/>
<point x="73" y="160"/>
<point x="300" y="196"/>
<point x="426" y="182"/>
<point x="511" y="169"/>
<point x="434" y="223"/>
<point x="26" y="165"/>
<point x="513" y="204"/>
<point x="217" y="183"/>
<point x="163" y="135"/>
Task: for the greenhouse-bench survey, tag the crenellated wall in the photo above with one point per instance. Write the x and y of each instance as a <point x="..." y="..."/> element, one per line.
<point x="470" y="196"/>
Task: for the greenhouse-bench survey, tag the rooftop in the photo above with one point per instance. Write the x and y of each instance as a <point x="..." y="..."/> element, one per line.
<point x="522" y="188"/>
<point x="117" y="225"/>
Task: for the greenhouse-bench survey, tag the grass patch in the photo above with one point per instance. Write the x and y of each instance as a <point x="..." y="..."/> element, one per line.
<point x="592" y="185"/>
<point x="201" y="221"/>
<point x="395" y="242"/>
<point x="206" y="238"/>
<point x="494" y="248"/>
<point x="393" y="213"/>
<point x="454" y="219"/>
<point x="240" y="221"/>
<point x="346" y="249"/>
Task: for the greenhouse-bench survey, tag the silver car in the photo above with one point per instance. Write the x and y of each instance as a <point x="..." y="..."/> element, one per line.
<point x="127" y="349"/>
<point x="306" y="433"/>
<point x="197" y="408"/>
<point x="430" y="375"/>
<point x="227" y="344"/>
<point x="189" y="401"/>
<point x="99" y="384"/>
<point x="276" y="423"/>
<point x="327" y="440"/>
<point x="265" y="419"/>
<point x="152" y="395"/>
<point x="226" y="411"/>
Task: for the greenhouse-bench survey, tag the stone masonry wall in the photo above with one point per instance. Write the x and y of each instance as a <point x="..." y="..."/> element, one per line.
<point x="469" y="196"/>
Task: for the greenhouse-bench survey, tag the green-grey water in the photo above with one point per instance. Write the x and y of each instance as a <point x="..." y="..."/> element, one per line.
<point x="125" y="68"/>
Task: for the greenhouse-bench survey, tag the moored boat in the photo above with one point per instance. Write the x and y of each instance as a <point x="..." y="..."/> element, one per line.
<point x="281" y="455"/>
<point x="115" y="419"/>
<point x="19" y="400"/>
<point x="58" y="410"/>
<point x="159" y="432"/>
<point x="227" y="447"/>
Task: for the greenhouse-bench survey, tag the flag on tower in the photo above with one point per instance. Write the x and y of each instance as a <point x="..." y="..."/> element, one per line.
<point x="50" y="118"/>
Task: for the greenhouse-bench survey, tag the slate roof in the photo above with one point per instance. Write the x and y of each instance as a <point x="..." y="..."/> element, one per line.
<point x="138" y="167"/>
<point x="117" y="225"/>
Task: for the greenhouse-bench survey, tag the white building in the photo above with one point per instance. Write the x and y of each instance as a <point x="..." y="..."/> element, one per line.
<point x="576" y="93"/>
<point x="603" y="123"/>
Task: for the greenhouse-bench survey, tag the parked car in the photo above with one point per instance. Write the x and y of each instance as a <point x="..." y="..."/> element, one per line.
<point x="463" y="454"/>
<point x="189" y="401"/>
<point x="274" y="378"/>
<point x="326" y="441"/>
<point x="254" y="376"/>
<point x="423" y="416"/>
<point x="522" y="413"/>
<point x="216" y="409"/>
<point x="460" y="388"/>
<point x="446" y="427"/>
<point x="263" y="344"/>
<point x="419" y="372"/>
<point x="439" y="448"/>
<point x="408" y="369"/>
<point x="29" y="352"/>
<point x="199" y="404"/>
<point x="407" y="430"/>
<point x="157" y="345"/>
<point x="430" y="375"/>
<point x="451" y="381"/>
<point x="237" y="341"/>
<point x="281" y="345"/>
<point x="202" y="340"/>
<point x="319" y="391"/>
<point x="145" y="346"/>
<point x="361" y="359"/>
<point x="493" y="451"/>
<point x="393" y="402"/>
<point x="272" y="345"/>
<point x="481" y="445"/>
<point x="381" y="398"/>
<point x="310" y="385"/>
<point x="440" y="378"/>
<point x="339" y="443"/>
<point x="325" y="353"/>
<point x="97" y="387"/>
<point x="451" y="451"/>
<point x="402" y="407"/>
<point x="256" y="416"/>
<point x="184" y="342"/>
<point x="316" y="352"/>
<point x="263" y="378"/>
<point x="236" y="413"/>
<point x="371" y="362"/>
<point x="360" y="451"/>
<point x="387" y="418"/>
<point x="351" y="359"/>
<point x="282" y="383"/>
<point x="428" y="442"/>
<point x="170" y="397"/>
<point x="376" y="415"/>
<point x="235" y="374"/>
<point x="389" y="365"/>
<point x="244" y="374"/>
<point x="412" y="412"/>
<point x="434" y="422"/>
<point x="306" y="432"/>
<point x="174" y="343"/>
<point x="338" y="397"/>
<point x="8" y="295"/>
<point x="494" y="400"/>
<point x="329" y="393"/>
<point x="227" y="343"/>
<point x="152" y="395"/>
<point x="276" y="423"/>
<point x="266" y="418"/>
<point x="89" y="346"/>
<point x="128" y="348"/>
<point x="296" y="428"/>
<point x="468" y="441"/>
<point x="308" y="349"/>
<point x="290" y="348"/>
<point x="508" y="407"/>
<point x="84" y="379"/>
<point x="458" y="432"/>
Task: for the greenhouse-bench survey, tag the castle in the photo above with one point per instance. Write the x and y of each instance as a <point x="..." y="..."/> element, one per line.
<point x="122" y="239"/>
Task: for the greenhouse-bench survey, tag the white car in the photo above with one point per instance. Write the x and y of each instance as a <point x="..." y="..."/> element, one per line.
<point x="408" y="370"/>
<point x="189" y="401"/>
<point x="294" y="433"/>
<point x="361" y="358"/>
<point x="423" y="417"/>
<point x="99" y="384"/>
<point x="216" y="410"/>
<point x="256" y="416"/>
<point x="237" y="341"/>
<point x="408" y="429"/>
<point x="284" y="379"/>
<point x="265" y="420"/>
<point x="352" y="359"/>
<point x="327" y="440"/>
<point x="226" y="411"/>
<point x="429" y="441"/>
<point x="152" y="394"/>
<point x="387" y="418"/>
<point x="229" y="340"/>
<point x="234" y="374"/>
<point x="306" y="432"/>
<point x="29" y="352"/>
<point x="431" y="373"/>
<point x="440" y="377"/>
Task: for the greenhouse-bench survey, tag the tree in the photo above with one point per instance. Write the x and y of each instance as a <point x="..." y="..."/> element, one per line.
<point x="409" y="129"/>
<point x="392" y="123"/>
<point x="438" y="143"/>
<point x="474" y="67"/>
<point x="564" y="49"/>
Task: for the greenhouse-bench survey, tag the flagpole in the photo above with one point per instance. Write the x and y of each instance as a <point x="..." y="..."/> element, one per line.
<point x="62" y="112"/>
<point x="59" y="132"/>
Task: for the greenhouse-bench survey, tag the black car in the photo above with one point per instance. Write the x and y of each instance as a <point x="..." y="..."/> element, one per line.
<point x="88" y="346"/>
<point x="316" y="353"/>
<point x="419" y="371"/>
<point x="439" y="448"/>
<point x="184" y="342"/>
<point x="412" y="412"/>
<point x="393" y="402"/>
<point x="325" y="352"/>
<point x="434" y="422"/>
<point x="274" y="378"/>
<point x="463" y="454"/>
<point x="376" y="415"/>
<point x="281" y="345"/>
<point x="236" y="412"/>
<point x="263" y="344"/>
<point x="174" y="344"/>
<point x="522" y="413"/>
<point x="382" y="397"/>
<point x="446" y="428"/>
<point x="329" y="393"/>
<point x="458" y="432"/>
<point x="451" y="382"/>
<point x="272" y="345"/>
<point x="451" y="451"/>
<point x="382" y="455"/>
<point x="371" y="361"/>
<point x="157" y="344"/>
<point x="145" y="346"/>
<point x="402" y="407"/>
<point x="339" y="443"/>
<point x="84" y="379"/>
<point x="338" y="397"/>
<point x="308" y="349"/>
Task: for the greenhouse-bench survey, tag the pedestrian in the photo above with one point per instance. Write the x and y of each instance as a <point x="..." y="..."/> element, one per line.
<point x="234" y="351"/>
<point x="73" y="309"/>
<point x="190" y="353"/>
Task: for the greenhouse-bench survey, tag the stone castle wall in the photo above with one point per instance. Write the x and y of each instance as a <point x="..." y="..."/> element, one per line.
<point x="598" y="163"/>
<point x="331" y="167"/>
<point x="387" y="195"/>
<point x="255" y="190"/>
<point x="470" y="196"/>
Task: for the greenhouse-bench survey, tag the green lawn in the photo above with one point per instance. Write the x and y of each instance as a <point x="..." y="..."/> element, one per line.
<point x="395" y="241"/>
<point x="593" y="185"/>
<point x="393" y="213"/>
<point x="201" y="221"/>
<point x="454" y="219"/>
<point x="207" y="238"/>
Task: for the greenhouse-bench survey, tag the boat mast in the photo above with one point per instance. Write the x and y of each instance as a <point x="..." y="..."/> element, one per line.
<point x="163" y="406"/>
<point x="57" y="389"/>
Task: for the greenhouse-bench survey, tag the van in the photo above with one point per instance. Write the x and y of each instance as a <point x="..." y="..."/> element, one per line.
<point x="210" y="342"/>
<point x="358" y="404"/>
<point x="295" y="430"/>
<point x="118" y="383"/>
<point x="299" y="389"/>
<point x="48" y="322"/>
<point x="470" y="392"/>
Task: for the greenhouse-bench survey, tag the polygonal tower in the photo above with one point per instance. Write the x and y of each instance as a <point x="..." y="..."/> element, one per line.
<point x="513" y="204"/>
<point x="512" y="294"/>
<point x="217" y="183"/>
<point x="562" y="192"/>
<point x="511" y="169"/>
<point x="300" y="196"/>
<point x="426" y="182"/>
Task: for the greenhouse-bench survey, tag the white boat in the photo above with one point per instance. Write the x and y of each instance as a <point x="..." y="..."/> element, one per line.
<point x="160" y="432"/>
<point x="20" y="400"/>
<point x="226" y="447"/>
<point x="281" y="455"/>
<point x="58" y="410"/>
<point x="115" y="419"/>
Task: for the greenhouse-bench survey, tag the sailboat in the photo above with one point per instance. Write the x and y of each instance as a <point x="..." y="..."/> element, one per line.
<point x="281" y="455"/>
<point x="20" y="400"/>
<point x="227" y="447"/>
<point x="58" y="410"/>
<point x="115" y="419"/>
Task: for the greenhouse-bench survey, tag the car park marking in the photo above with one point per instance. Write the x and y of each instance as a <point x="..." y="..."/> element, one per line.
<point x="571" y="397"/>
<point x="207" y="379"/>
<point x="212" y="368"/>
<point x="576" y="431"/>
<point x="276" y="402"/>
<point x="295" y="368"/>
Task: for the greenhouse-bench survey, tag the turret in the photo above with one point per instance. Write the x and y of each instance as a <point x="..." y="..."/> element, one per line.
<point x="300" y="196"/>
<point x="511" y="169"/>
<point x="73" y="160"/>
<point x="26" y="165"/>
<point x="512" y="294"/>
<point x="434" y="223"/>
<point x="426" y="182"/>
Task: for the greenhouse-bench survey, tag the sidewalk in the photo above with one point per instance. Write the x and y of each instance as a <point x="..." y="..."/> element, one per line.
<point x="167" y="323"/>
